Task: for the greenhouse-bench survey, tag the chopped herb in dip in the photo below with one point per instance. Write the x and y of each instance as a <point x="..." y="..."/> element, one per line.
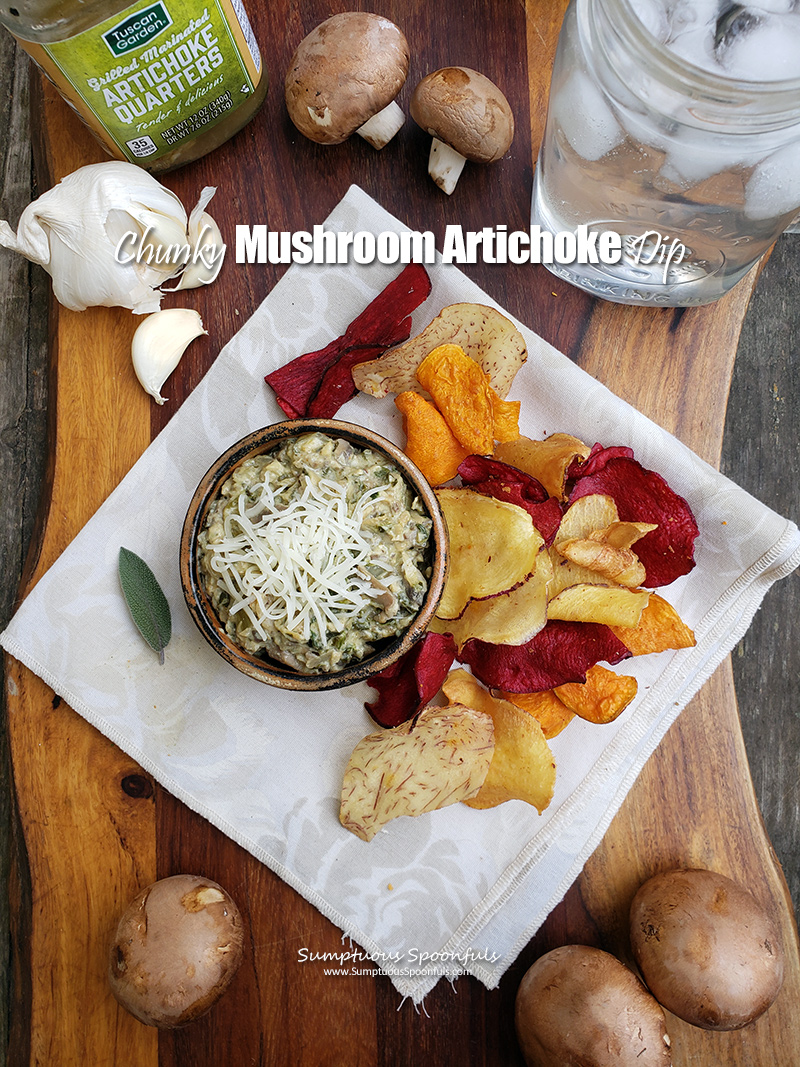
<point x="313" y="552"/>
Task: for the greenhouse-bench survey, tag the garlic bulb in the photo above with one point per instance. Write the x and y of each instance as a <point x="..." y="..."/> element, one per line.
<point x="108" y="234"/>
<point x="159" y="343"/>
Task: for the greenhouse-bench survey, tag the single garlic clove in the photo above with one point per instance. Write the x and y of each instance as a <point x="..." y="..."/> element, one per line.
<point x="159" y="343"/>
<point x="208" y="252"/>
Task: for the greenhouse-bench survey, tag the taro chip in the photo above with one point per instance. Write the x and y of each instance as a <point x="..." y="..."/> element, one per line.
<point x="408" y="684"/>
<point x="504" y="482"/>
<point x="602" y="697"/>
<point x="522" y="766"/>
<point x="440" y="758"/>
<point x="548" y="461"/>
<point x="486" y="335"/>
<point x="430" y="443"/>
<point x="493" y="546"/>
<point x="383" y="323"/>
<point x="642" y="495"/>
<point x="561" y="652"/>
<point x="552" y="714"/>
<point x="460" y="390"/>
<point x="660" y="628"/>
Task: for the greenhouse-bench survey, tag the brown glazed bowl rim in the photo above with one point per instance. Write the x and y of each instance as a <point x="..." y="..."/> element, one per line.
<point x="199" y="605"/>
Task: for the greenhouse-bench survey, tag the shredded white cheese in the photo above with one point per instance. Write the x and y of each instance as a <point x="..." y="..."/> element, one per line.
<point x="298" y="564"/>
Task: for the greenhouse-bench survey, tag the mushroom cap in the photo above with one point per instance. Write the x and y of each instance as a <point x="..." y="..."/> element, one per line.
<point x="342" y="73"/>
<point x="465" y="110"/>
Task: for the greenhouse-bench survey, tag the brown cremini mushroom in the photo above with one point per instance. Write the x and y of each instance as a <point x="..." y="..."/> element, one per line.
<point x="468" y="118"/>
<point x="343" y="79"/>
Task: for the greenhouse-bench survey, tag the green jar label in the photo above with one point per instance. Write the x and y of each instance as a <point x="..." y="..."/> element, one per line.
<point x="162" y="73"/>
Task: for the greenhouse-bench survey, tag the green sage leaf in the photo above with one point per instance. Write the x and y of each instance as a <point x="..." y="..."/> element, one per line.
<point x="146" y="601"/>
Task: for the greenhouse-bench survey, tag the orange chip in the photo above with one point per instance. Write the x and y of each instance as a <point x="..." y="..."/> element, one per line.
<point x="552" y="714"/>
<point x="460" y="390"/>
<point x="506" y="417"/>
<point x="430" y="441"/>
<point x="660" y="627"/>
<point x="602" y="697"/>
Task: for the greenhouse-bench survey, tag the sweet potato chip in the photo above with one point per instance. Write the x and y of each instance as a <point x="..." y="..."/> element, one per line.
<point x="506" y="418"/>
<point x="493" y="546"/>
<point x="552" y="714"/>
<point x="504" y="482"/>
<point x="561" y="652"/>
<point x="460" y="390"/>
<point x="602" y="697"/>
<point x="486" y="335"/>
<point x="511" y="618"/>
<point x="431" y="444"/>
<point x="548" y="461"/>
<point x="440" y="758"/>
<point x="408" y="684"/>
<point x="660" y="628"/>
<point x="522" y="766"/>
<point x="612" y="605"/>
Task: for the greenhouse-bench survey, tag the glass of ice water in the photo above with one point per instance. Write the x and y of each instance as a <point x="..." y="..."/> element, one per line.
<point x="674" y="124"/>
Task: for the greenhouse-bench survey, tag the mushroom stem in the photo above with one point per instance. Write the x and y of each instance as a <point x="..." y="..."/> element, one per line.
<point x="381" y="128"/>
<point x="445" y="165"/>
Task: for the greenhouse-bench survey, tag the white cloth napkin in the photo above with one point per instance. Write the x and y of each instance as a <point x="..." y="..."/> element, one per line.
<point x="453" y="890"/>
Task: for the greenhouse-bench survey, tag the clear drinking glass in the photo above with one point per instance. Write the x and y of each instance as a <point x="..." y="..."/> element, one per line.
<point x="696" y="167"/>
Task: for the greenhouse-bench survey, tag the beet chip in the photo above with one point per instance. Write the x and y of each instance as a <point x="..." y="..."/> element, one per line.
<point x="561" y="652"/>
<point x="641" y="495"/>
<point x="408" y="684"/>
<point x="500" y="480"/>
<point x="596" y="460"/>
<point x="383" y="323"/>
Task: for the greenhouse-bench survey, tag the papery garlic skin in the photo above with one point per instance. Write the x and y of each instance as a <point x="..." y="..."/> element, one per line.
<point x="159" y="343"/>
<point x="74" y="229"/>
<point x="208" y="248"/>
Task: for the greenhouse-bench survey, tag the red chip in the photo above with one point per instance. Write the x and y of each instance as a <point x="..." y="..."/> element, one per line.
<point x="408" y="684"/>
<point x="561" y="652"/>
<point x="596" y="460"/>
<point x="491" y="477"/>
<point x="642" y="495"/>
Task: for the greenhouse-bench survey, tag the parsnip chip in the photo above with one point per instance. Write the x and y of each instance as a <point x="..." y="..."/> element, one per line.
<point x="509" y="618"/>
<point x="486" y="336"/>
<point x="622" y="534"/>
<point x="660" y="628"/>
<point x="493" y="547"/>
<point x="460" y="390"/>
<point x="552" y="714"/>
<point x="602" y="697"/>
<point x="547" y="460"/>
<point x="620" y="565"/>
<point x="612" y="605"/>
<point x="595" y="512"/>
<point x="440" y="758"/>
<point x="430" y="443"/>
<point x="522" y="766"/>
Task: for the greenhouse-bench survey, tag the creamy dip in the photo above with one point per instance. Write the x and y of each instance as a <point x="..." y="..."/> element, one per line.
<point x="313" y="552"/>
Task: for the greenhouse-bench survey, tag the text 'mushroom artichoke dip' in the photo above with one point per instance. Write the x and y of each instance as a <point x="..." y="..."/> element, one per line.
<point x="314" y="551"/>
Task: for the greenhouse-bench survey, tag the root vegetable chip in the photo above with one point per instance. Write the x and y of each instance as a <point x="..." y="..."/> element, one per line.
<point x="487" y="336"/>
<point x="506" y="418"/>
<point x="613" y="605"/>
<point x="493" y="546"/>
<point x="409" y="683"/>
<point x="510" y="618"/>
<point x="460" y="390"/>
<point x="431" y="444"/>
<point x="384" y="322"/>
<point x="552" y="714"/>
<point x="504" y="482"/>
<point x="642" y="495"/>
<point x="619" y="565"/>
<point x="602" y="697"/>
<point x="586" y="515"/>
<point x="548" y="461"/>
<point x="441" y="758"/>
<point x="659" y="628"/>
<point x="561" y="652"/>
<point x="522" y="766"/>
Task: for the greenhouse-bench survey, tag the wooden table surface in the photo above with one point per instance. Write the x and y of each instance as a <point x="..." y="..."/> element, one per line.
<point x="693" y="803"/>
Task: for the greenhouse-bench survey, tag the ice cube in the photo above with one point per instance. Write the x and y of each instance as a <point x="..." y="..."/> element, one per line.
<point x="585" y="118"/>
<point x="653" y="15"/>
<point x="695" y="45"/>
<point x="774" y="186"/>
<point x="766" y="49"/>
<point x="774" y="7"/>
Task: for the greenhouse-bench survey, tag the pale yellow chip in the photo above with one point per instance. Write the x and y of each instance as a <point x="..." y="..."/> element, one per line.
<point x="620" y="565"/>
<point x="440" y="758"/>
<point x="623" y="534"/>
<point x="493" y="547"/>
<point x="547" y="460"/>
<point x="602" y="697"/>
<point x="588" y="513"/>
<point x="486" y="335"/>
<point x="613" y="605"/>
<point x="522" y="767"/>
<point x="509" y="618"/>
